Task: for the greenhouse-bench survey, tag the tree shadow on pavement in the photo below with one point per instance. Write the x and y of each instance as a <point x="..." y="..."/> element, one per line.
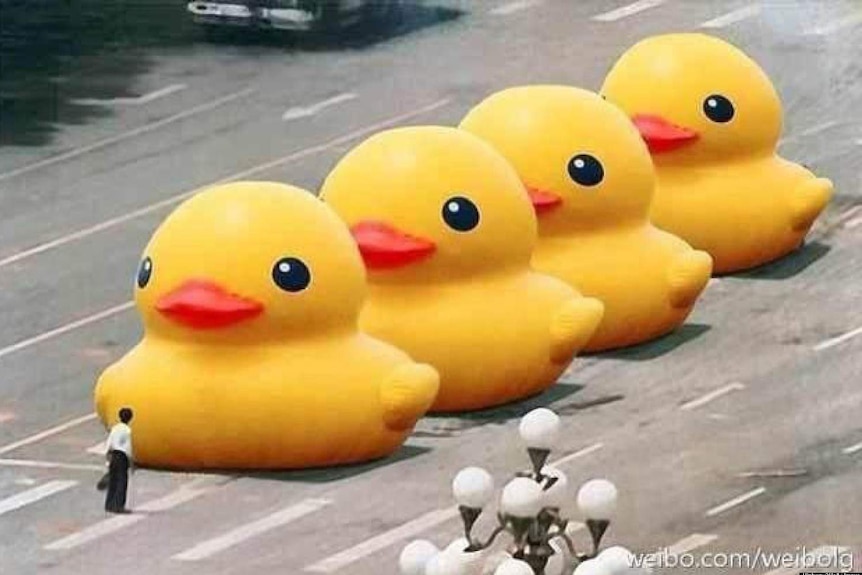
<point x="790" y="265"/>
<point x="659" y="347"/>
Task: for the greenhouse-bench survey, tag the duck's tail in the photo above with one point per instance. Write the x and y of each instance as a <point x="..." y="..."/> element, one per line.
<point x="688" y="275"/>
<point x="407" y="394"/>
<point x="573" y="326"/>
<point x="808" y="201"/>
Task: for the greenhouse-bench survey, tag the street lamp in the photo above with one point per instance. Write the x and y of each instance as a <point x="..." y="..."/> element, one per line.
<point x="534" y="508"/>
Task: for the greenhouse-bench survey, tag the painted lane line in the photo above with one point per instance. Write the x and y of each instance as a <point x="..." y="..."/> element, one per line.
<point x="113" y="524"/>
<point x="810" y="131"/>
<point x="629" y="10"/>
<point x="47" y="433"/>
<point x="157" y="206"/>
<point x="136" y="101"/>
<point x="735" y="502"/>
<point x="74" y="153"/>
<point x="578" y="454"/>
<point x="712" y="396"/>
<point x="249" y="530"/>
<point x="855" y="222"/>
<point x="836" y="25"/>
<point x="838" y="340"/>
<point x="852" y="449"/>
<point x="514" y="7"/>
<point x="848" y="214"/>
<point x="33" y="495"/>
<point x="84" y="321"/>
<point x="50" y="465"/>
<point x="690" y="543"/>
<point x="304" y="112"/>
<point x="826" y="551"/>
<point x="733" y="17"/>
<point x="384" y="540"/>
<point x="100" y="449"/>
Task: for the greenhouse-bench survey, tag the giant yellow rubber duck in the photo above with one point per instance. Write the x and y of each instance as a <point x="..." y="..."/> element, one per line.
<point x="250" y="294"/>
<point x="712" y="119"/>
<point x="446" y="229"/>
<point x="592" y="181"/>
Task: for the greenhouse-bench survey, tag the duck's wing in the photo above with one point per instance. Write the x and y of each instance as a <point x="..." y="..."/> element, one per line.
<point x="407" y="394"/>
<point x="573" y="326"/>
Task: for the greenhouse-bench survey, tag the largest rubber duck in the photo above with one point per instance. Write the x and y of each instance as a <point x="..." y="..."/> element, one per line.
<point x="447" y="230"/>
<point x="712" y="119"/>
<point x="251" y="358"/>
<point x="592" y="180"/>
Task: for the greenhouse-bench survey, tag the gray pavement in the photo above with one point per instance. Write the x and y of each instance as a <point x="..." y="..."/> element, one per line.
<point x="76" y="211"/>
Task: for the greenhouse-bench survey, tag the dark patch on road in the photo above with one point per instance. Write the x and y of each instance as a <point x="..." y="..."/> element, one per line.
<point x="791" y="265"/>
<point x="659" y="347"/>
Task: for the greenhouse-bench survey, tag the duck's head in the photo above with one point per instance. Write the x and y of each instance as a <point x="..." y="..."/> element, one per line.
<point x="581" y="158"/>
<point x="432" y="203"/>
<point x="250" y="261"/>
<point x="696" y="96"/>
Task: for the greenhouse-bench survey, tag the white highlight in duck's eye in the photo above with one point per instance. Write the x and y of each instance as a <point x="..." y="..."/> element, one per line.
<point x="453" y="207"/>
<point x="712" y="103"/>
<point x="284" y="267"/>
<point x="579" y="163"/>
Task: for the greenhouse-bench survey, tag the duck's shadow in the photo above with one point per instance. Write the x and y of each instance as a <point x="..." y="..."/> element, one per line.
<point x="789" y="266"/>
<point x="323" y="474"/>
<point x="661" y="346"/>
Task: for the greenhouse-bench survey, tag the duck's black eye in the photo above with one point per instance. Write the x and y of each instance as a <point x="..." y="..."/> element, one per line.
<point x="586" y="170"/>
<point x="460" y="214"/>
<point x="291" y="274"/>
<point x="718" y="108"/>
<point x="145" y="272"/>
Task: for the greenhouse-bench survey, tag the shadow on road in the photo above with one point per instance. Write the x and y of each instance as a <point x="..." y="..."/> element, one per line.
<point x="791" y="265"/>
<point x="657" y="348"/>
<point x="54" y="53"/>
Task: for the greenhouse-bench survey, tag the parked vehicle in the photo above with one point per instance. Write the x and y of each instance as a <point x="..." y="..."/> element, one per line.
<point x="291" y="14"/>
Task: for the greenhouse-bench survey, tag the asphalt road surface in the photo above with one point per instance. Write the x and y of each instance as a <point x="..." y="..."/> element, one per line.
<point x="740" y="431"/>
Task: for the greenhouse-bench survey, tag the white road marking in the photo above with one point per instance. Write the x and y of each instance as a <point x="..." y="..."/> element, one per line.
<point x="384" y="540"/>
<point x="100" y="448"/>
<point x="848" y="21"/>
<point x="111" y="525"/>
<point x="733" y="17"/>
<point x="690" y="543"/>
<point x="513" y="7"/>
<point x="84" y="321"/>
<point x="827" y="550"/>
<point x="855" y="222"/>
<point x="848" y="214"/>
<point x="74" y="153"/>
<point x="293" y="156"/>
<point x="50" y="465"/>
<point x="712" y="396"/>
<point x="47" y="433"/>
<point x="25" y="481"/>
<point x="852" y="449"/>
<point x="629" y="10"/>
<point x="735" y="502"/>
<point x="249" y="530"/>
<point x="810" y="131"/>
<point x="304" y="112"/>
<point x="33" y="495"/>
<point x="838" y="340"/>
<point x="578" y="454"/>
<point x="137" y="101"/>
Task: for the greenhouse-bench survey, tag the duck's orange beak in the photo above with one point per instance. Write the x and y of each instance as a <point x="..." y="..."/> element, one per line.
<point x="543" y="201"/>
<point x="661" y="135"/>
<point x="202" y="304"/>
<point x="384" y="246"/>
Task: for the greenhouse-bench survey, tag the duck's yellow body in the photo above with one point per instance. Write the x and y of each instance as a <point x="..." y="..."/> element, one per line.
<point x="252" y="358"/>
<point x="447" y="231"/>
<point x="712" y="118"/>
<point x="593" y="181"/>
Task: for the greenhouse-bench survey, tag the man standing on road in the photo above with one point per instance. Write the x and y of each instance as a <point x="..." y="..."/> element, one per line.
<point x="120" y="459"/>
